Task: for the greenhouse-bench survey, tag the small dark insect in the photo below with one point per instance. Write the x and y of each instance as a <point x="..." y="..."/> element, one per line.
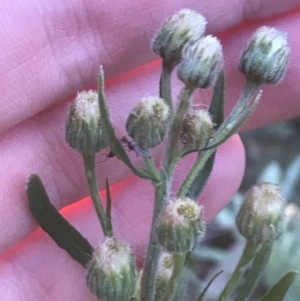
<point x="134" y="147"/>
<point x="108" y="154"/>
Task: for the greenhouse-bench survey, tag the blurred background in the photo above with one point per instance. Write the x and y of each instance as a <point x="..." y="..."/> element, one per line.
<point x="273" y="155"/>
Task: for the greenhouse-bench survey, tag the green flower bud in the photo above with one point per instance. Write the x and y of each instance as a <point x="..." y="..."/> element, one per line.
<point x="265" y="58"/>
<point x="147" y="123"/>
<point x="184" y="27"/>
<point x="180" y="225"/>
<point x="201" y="63"/>
<point x="111" y="272"/>
<point x="137" y="294"/>
<point x="163" y="276"/>
<point x="83" y="127"/>
<point x="261" y="214"/>
<point x="196" y="129"/>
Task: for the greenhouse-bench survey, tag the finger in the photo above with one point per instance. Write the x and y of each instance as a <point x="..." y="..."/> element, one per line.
<point x="71" y="39"/>
<point x="37" y="269"/>
<point x="44" y="151"/>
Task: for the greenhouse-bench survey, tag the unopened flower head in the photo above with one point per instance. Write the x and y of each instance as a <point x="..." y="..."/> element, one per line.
<point x="201" y="63"/>
<point x="83" y="129"/>
<point x="196" y="129"/>
<point x="186" y="26"/>
<point x="260" y="217"/>
<point x="163" y="274"/>
<point x="181" y="225"/>
<point x="111" y="272"/>
<point x="265" y="58"/>
<point x="148" y="122"/>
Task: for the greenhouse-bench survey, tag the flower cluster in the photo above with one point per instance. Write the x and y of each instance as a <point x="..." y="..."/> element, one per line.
<point x="178" y="219"/>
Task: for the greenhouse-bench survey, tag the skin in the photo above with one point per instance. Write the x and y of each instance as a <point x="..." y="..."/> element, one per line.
<point x="49" y="51"/>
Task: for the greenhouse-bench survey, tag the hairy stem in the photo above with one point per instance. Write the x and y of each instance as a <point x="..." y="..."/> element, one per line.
<point x="165" y="86"/>
<point x="174" y="133"/>
<point x="89" y="164"/>
<point x="243" y="263"/>
<point x="148" y="279"/>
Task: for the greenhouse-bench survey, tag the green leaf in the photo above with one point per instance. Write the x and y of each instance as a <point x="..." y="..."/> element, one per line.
<point x="108" y="205"/>
<point x="216" y="108"/>
<point x="201" y="179"/>
<point x="200" y="298"/>
<point x="115" y="144"/>
<point x="278" y="291"/>
<point x="52" y="222"/>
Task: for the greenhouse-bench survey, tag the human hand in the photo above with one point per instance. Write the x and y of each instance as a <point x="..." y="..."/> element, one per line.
<point x="51" y="50"/>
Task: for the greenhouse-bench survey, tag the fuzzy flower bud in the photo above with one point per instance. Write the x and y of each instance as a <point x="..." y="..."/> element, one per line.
<point x="265" y="58"/>
<point x="83" y="127"/>
<point x="201" y="63"/>
<point x="184" y="27"/>
<point x="180" y="225"/>
<point x="196" y="129"/>
<point x="148" y="121"/>
<point x="111" y="272"/>
<point x="163" y="276"/>
<point x="261" y="214"/>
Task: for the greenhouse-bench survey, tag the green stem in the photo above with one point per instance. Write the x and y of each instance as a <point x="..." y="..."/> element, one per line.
<point x="165" y="85"/>
<point x="243" y="263"/>
<point x="178" y="266"/>
<point x="153" y="252"/>
<point x="257" y="267"/>
<point x="89" y="164"/>
<point x="174" y="133"/>
<point x="247" y="95"/>
<point x="187" y="183"/>
<point x="151" y="168"/>
<point x="148" y="279"/>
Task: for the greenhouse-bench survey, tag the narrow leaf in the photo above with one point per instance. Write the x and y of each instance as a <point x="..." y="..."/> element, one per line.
<point x="108" y="204"/>
<point x="201" y="179"/>
<point x="52" y="222"/>
<point x="200" y="298"/>
<point x="216" y="108"/>
<point x="278" y="291"/>
<point x="115" y="143"/>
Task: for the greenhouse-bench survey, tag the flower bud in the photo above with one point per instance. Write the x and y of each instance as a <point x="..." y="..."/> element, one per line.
<point x="201" y="63"/>
<point x="147" y="123"/>
<point x="196" y="129"/>
<point x="83" y="127"/>
<point x="261" y="214"/>
<point x="111" y="272"/>
<point x="163" y="276"/>
<point x="184" y="27"/>
<point x="265" y="58"/>
<point x="180" y="225"/>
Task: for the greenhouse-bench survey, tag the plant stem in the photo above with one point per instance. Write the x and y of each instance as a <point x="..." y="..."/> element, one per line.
<point x="174" y="133"/>
<point x="151" y="168"/>
<point x="179" y="260"/>
<point x="247" y="95"/>
<point x="165" y="86"/>
<point x="148" y="279"/>
<point x="257" y="267"/>
<point x="187" y="183"/>
<point x="89" y="164"/>
<point x="243" y="263"/>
